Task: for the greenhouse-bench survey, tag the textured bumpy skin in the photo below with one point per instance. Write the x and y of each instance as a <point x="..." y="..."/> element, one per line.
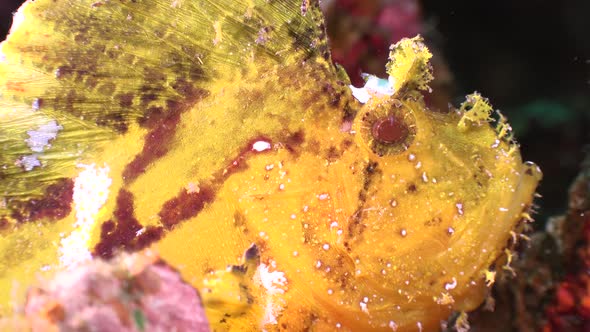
<point x="220" y="134"/>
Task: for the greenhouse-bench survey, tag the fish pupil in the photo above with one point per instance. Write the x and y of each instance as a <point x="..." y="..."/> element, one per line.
<point x="390" y="130"/>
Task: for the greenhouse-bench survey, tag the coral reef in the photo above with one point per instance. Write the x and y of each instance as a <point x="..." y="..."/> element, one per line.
<point x="132" y="293"/>
<point x="570" y="309"/>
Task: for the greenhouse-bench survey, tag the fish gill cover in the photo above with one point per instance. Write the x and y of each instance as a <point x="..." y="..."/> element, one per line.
<point x="201" y="129"/>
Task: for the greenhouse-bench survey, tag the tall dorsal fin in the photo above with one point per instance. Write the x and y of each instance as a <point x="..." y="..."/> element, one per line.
<point x="77" y="72"/>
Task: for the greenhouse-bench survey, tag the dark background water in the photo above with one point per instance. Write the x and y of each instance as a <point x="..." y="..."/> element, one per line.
<point x="530" y="57"/>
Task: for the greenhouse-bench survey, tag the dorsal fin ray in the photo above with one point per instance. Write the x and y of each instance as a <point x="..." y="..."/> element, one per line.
<point x="76" y="72"/>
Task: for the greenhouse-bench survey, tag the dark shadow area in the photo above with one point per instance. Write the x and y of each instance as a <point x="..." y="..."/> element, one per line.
<point x="532" y="59"/>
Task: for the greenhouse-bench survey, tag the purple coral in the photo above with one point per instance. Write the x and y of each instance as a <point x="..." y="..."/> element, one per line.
<point x="132" y="293"/>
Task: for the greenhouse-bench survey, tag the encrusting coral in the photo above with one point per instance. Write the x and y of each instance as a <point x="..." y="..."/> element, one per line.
<point x="131" y="293"/>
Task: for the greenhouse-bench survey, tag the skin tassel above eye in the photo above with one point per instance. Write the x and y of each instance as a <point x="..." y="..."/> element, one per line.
<point x="221" y="135"/>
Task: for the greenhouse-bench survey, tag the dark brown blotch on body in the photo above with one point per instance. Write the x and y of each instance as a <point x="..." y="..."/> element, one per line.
<point x="116" y="121"/>
<point x="433" y="222"/>
<point x="4" y="224"/>
<point x="335" y="94"/>
<point x="294" y="141"/>
<point x="124" y="232"/>
<point x="163" y="125"/>
<point x="55" y="204"/>
<point x="125" y="99"/>
<point x="356" y="227"/>
<point x="184" y="206"/>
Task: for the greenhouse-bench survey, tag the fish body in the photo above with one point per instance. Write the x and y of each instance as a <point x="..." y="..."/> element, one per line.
<point x="221" y="135"/>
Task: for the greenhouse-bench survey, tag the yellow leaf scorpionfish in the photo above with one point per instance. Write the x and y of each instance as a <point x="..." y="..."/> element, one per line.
<point x="220" y="133"/>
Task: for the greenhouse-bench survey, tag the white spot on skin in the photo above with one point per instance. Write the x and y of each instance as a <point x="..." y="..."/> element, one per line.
<point x="91" y="191"/>
<point x="139" y="232"/>
<point x="274" y="283"/>
<point x="459" y="208"/>
<point x="503" y="209"/>
<point x="424" y="177"/>
<point x="450" y="230"/>
<point x="451" y="285"/>
<point x="260" y="146"/>
<point x="193" y="187"/>
<point x="218" y="34"/>
<point x="392" y="325"/>
<point x="364" y="307"/>
<point x="326" y="246"/>
<point x="346" y="126"/>
<point x="39" y="139"/>
<point x="28" y="162"/>
<point x="323" y="196"/>
<point x="36" y="104"/>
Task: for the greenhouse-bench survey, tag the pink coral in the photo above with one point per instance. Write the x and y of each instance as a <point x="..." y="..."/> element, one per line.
<point x="129" y="294"/>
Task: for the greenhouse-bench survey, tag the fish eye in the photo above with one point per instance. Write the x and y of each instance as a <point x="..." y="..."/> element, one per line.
<point x="388" y="128"/>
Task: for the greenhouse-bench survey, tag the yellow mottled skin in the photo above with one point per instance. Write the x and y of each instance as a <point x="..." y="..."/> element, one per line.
<point x="345" y="229"/>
